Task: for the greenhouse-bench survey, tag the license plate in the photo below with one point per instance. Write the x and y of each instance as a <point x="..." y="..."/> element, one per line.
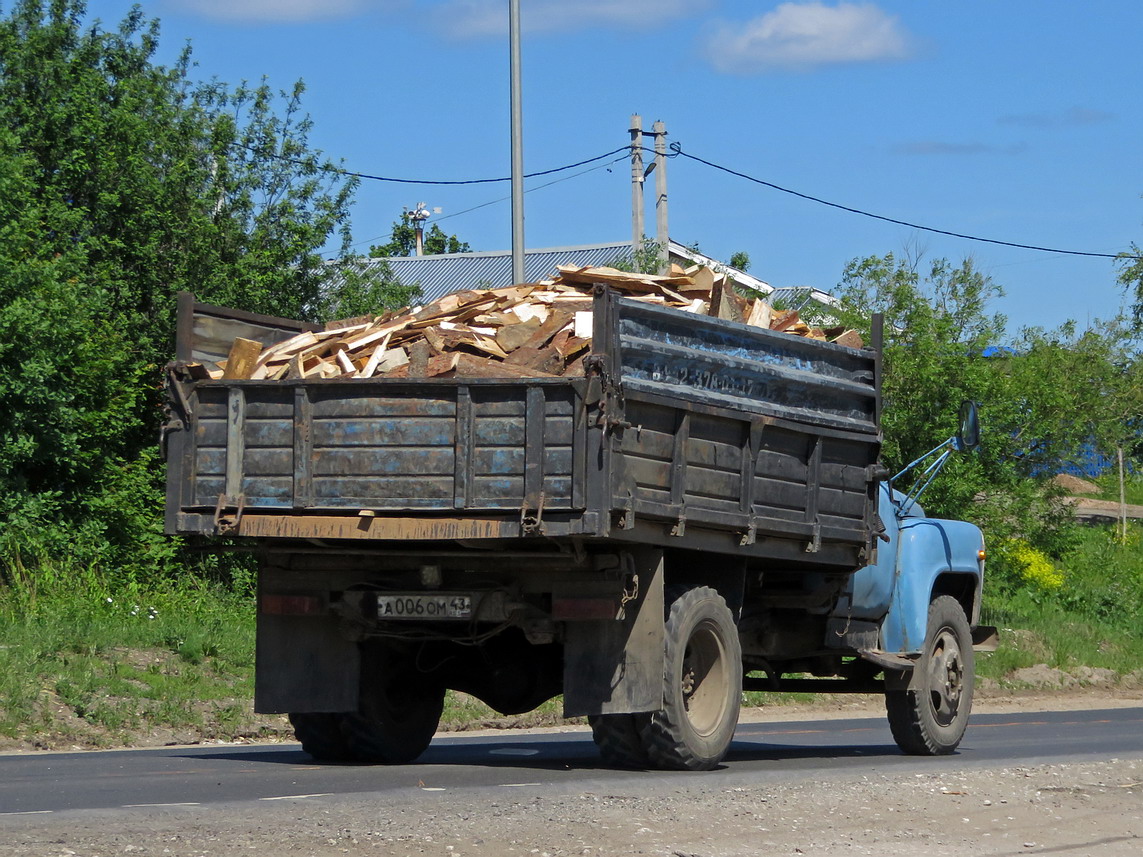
<point x="410" y="606"/>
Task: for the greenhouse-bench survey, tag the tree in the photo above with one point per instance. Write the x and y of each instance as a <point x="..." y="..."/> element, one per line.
<point x="121" y="183"/>
<point x="403" y="241"/>
<point x="1131" y="278"/>
<point x="740" y="260"/>
<point x="1041" y="396"/>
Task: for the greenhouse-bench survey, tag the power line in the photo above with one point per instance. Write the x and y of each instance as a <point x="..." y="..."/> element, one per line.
<point x="677" y="149"/>
<point x="506" y="198"/>
<point x="676" y="152"/>
<point x="340" y="171"/>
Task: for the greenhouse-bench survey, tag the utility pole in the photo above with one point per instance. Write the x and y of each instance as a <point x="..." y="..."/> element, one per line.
<point x="517" y="144"/>
<point x="661" y="233"/>
<point x="637" y="203"/>
<point x="417" y="217"/>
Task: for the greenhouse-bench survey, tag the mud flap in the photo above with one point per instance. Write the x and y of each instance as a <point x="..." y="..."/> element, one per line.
<point x="615" y="666"/>
<point x="304" y="664"/>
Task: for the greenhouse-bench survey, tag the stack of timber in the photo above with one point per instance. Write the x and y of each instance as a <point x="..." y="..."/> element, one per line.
<point x="536" y="330"/>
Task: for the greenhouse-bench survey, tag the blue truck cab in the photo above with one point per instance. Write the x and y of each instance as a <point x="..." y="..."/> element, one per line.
<point x="923" y="595"/>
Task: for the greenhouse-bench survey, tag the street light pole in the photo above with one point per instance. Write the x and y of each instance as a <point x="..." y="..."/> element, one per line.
<point x="517" y="145"/>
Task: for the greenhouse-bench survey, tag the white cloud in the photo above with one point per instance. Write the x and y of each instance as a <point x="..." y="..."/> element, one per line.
<point x="477" y="18"/>
<point x="276" y="10"/>
<point x="806" y="35"/>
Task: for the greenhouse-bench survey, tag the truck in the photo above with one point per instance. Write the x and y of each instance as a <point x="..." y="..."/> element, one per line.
<point x="702" y="512"/>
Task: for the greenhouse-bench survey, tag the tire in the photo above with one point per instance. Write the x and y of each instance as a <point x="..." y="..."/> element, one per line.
<point x="619" y="739"/>
<point x="702" y="683"/>
<point x="321" y="735"/>
<point x="398" y="711"/>
<point x="930" y="719"/>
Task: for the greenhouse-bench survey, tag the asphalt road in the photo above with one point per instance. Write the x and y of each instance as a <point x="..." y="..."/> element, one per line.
<point x="762" y="752"/>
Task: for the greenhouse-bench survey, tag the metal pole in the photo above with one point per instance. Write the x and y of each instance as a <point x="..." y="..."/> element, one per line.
<point x="661" y="235"/>
<point x="517" y="145"/>
<point x="1122" y="495"/>
<point x="637" y="229"/>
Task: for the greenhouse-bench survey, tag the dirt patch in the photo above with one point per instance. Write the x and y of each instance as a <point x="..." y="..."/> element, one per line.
<point x="1075" y="485"/>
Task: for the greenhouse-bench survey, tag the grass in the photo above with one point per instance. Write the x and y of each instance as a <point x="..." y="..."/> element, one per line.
<point x="105" y="666"/>
<point x="1109" y="488"/>
<point x="99" y="669"/>
<point x="1092" y="619"/>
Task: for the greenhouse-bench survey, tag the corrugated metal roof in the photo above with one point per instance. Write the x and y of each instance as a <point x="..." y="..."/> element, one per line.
<point x="800" y="297"/>
<point x="450" y="272"/>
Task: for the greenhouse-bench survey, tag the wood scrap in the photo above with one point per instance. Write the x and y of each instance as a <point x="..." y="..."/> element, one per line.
<point x="419" y="354"/>
<point x="243" y="356"/>
<point x="760" y="314"/>
<point x="850" y="338"/>
<point x="540" y="329"/>
<point x="513" y="336"/>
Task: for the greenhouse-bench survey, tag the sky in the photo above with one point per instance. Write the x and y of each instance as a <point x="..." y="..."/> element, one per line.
<point x="1016" y="121"/>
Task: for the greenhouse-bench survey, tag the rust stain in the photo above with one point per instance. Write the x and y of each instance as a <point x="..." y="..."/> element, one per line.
<point x="377" y="528"/>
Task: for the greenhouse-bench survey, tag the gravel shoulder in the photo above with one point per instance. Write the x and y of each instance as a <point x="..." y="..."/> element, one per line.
<point x="1081" y="809"/>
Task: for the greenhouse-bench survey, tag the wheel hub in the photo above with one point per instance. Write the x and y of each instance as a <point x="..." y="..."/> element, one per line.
<point x="704" y="674"/>
<point x="946" y="677"/>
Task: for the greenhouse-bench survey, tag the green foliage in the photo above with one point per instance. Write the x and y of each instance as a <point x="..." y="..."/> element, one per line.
<point x="1131" y="278"/>
<point x="1091" y="619"/>
<point x="121" y="183"/>
<point x="1042" y="397"/>
<point x="403" y="241"/>
<point x="180" y="656"/>
<point x="740" y="260"/>
<point x="363" y="288"/>
<point x="1036" y="568"/>
<point x="645" y="260"/>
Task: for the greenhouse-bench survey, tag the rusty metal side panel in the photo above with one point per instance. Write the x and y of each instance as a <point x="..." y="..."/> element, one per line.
<point x="388" y="446"/>
<point x="205" y="332"/>
<point x="731" y="365"/>
<point x="372" y="527"/>
<point x="716" y="425"/>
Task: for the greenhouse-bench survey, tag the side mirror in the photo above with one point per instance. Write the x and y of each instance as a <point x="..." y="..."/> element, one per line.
<point x="968" y="434"/>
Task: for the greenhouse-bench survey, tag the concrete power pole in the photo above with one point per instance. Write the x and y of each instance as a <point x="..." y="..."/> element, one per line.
<point x="662" y="237"/>
<point x="637" y="203"/>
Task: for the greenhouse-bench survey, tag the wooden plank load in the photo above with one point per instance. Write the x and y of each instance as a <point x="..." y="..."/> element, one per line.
<point x="527" y="331"/>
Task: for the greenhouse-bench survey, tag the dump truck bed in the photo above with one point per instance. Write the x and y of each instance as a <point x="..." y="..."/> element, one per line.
<point x="685" y="431"/>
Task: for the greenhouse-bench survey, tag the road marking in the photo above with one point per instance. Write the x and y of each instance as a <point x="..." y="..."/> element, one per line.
<point x="513" y="751"/>
<point x="296" y="797"/>
<point x="517" y="785"/>
<point x="30" y="812"/>
<point x="431" y="789"/>
<point x="185" y="803"/>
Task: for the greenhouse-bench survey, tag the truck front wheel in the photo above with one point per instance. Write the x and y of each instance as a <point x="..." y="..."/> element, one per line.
<point x="929" y="719"/>
<point x="702" y="684"/>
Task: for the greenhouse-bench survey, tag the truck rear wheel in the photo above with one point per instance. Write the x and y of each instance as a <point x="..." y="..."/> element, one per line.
<point x="321" y="735"/>
<point x="398" y="711"/>
<point x="619" y="739"/>
<point x="930" y="718"/>
<point x="702" y="683"/>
